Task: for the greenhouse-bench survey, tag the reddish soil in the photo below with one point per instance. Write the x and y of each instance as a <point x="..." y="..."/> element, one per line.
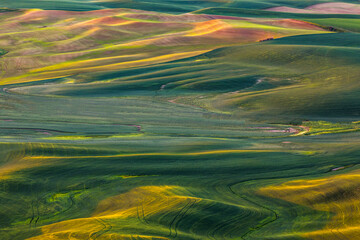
<point x="323" y="8"/>
<point x="292" y="23"/>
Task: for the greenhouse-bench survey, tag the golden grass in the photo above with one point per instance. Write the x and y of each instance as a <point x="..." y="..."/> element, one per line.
<point x="181" y="154"/>
<point x="21" y="162"/>
<point x="153" y="198"/>
<point x="139" y="203"/>
<point x="338" y="194"/>
<point x="69" y="35"/>
<point x="58" y="71"/>
<point x="207" y="27"/>
<point x="74" y="138"/>
<point x="145" y="61"/>
<point x="88" y="62"/>
<point x="16" y="165"/>
<point x="305" y="130"/>
<point x="323" y="127"/>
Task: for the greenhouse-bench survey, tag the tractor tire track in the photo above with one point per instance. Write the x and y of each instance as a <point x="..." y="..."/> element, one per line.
<point x="33" y="213"/>
<point x="137" y="212"/>
<point x="38" y="213"/>
<point x="106" y="227"/>
<point x="177" y="215"/>
<point x="143" y="214"/>
<point x="218" y="227"/>
<point x="181" y="217"/>
<point x="275" y="215"/>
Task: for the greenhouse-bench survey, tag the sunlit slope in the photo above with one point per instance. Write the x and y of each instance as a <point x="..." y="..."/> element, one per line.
<point x="155" y="212"/>
<point x="305" y="75"/>
<point x="72" y="167"/>
<point x="132" y="124"/>
<point x="45" y="45"/>
<point x="309" y="76"/>
<point x="336" y="194"/>
<point x="78" y="196"/>
<point x="316" y="203"/>
<point x="98" y="187"/>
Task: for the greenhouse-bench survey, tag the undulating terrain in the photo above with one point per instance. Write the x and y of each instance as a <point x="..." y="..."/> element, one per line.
<point x="174" y="119"/>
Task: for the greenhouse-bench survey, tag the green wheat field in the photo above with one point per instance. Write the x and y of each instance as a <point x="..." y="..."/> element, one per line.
<point x="176" y="119"/>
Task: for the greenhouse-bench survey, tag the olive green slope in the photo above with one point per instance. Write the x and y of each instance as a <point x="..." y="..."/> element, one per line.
<point x="75" y="154"/>
<point x="302" y="76"/>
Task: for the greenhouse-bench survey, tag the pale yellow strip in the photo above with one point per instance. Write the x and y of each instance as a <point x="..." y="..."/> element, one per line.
<point x="175" y="154"/>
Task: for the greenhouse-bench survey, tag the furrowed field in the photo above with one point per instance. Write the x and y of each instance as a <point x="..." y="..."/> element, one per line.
<point x="179" y="120"/>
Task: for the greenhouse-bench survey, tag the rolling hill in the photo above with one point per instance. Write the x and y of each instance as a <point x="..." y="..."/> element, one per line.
<point x="179" y="120"/>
